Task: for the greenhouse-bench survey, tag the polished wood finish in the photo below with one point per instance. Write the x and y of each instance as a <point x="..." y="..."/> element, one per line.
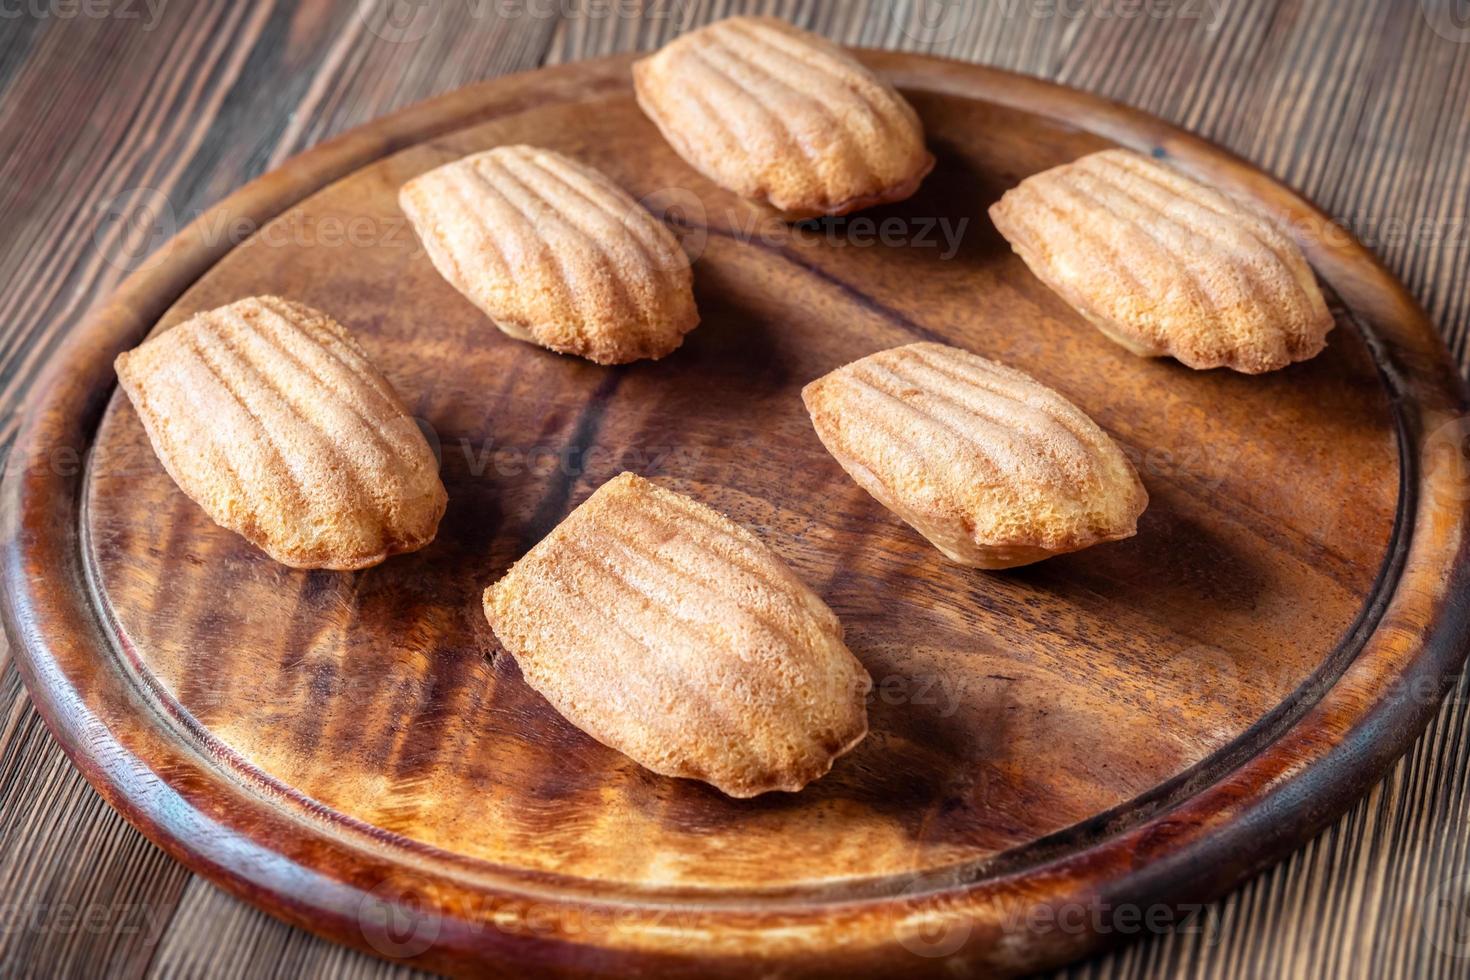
<point x="1358" y="105"/>
<point x="1121" y="728"/>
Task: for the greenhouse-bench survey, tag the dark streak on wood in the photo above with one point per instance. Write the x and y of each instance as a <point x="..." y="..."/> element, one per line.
<point x="553" y="506"/>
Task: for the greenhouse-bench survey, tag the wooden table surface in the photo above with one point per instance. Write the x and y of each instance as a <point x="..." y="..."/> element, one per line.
<point x="122" y="119"/>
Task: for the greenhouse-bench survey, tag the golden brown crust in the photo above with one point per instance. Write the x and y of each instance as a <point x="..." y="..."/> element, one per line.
<point x="269" y="415"/>
<point x="555" y="254"/>
<point x="1166" y="266"/>
<point x="782" y="116"/>
<point x="990" y="465"/>
<point x="670" y="633"/>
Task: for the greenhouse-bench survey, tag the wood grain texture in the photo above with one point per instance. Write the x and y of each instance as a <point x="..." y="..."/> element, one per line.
<point x="1360" y="105"/>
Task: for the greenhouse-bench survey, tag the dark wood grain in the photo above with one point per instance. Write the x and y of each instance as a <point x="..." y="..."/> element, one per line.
<point x="1386" y="97"/>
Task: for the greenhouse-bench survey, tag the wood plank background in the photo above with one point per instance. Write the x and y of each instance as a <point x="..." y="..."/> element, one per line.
<point x="121" y="119"/>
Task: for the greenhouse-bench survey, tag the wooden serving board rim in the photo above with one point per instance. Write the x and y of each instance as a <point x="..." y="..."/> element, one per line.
<point x="1259" y="805"/>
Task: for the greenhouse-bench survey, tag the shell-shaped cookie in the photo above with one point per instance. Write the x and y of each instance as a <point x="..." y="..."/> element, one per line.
<point x="269" y="415"/>
<point x="1166" y="266"/>
<point x="784" y="117"/>
<point x="990" y="465"/>
<point x="555" y="253"/>
<point x="670" y="633"/>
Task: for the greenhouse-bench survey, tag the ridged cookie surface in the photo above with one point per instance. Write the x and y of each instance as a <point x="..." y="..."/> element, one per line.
<point x="670" y="633"/>
<point x="1164" y="265"/>
<point x="990" y="465"/>
<point x="268" y="414"/>
<point x="555" y="253"/>
<point x="784" y="117"/>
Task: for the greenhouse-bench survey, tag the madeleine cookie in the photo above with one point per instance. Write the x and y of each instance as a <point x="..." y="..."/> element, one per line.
<point x="672" y="634"/>
<point x="1166" y="266"/>
<point x="268" y="415"/>
<point x="555" y="254"/>
<point x="990" y="465"/>
<point x="783" y="117"/>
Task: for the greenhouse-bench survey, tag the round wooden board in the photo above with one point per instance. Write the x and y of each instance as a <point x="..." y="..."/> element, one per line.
<point x="1060" y="755"/>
